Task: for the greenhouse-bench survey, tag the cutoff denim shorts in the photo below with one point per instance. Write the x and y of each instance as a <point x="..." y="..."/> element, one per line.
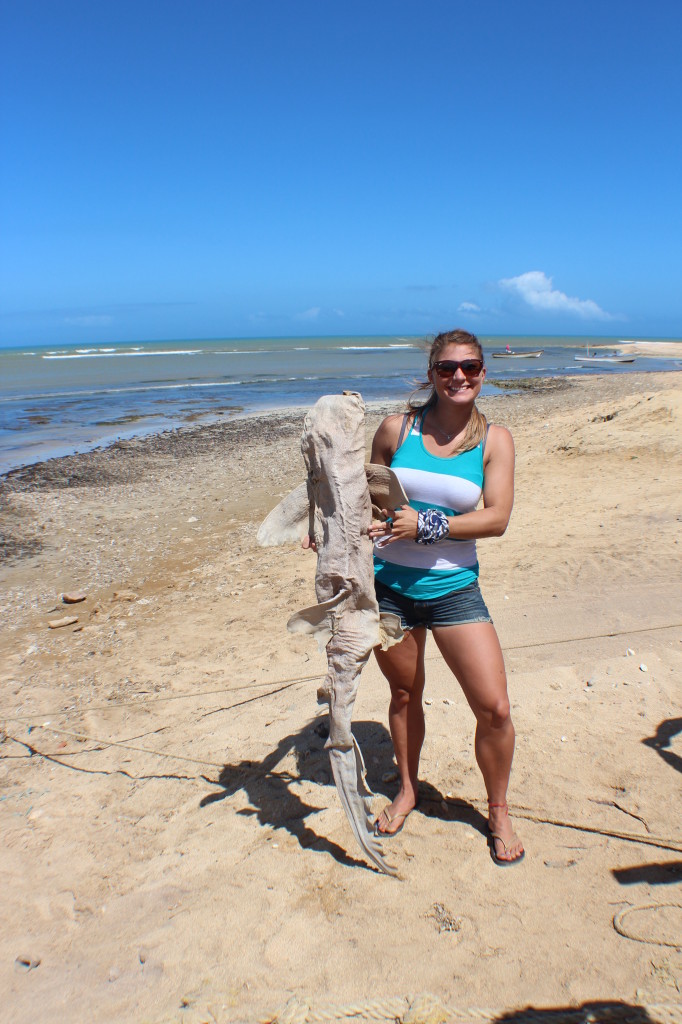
<point x="454" y="609"/>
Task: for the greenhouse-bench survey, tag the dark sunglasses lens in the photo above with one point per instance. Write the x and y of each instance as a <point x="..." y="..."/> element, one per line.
<point x="448" y="368"/>
<point x="471" y="367"/>
<point x="445" y="370"/>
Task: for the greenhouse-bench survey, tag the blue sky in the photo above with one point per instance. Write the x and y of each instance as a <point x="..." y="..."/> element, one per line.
<point x="217" y="168"/>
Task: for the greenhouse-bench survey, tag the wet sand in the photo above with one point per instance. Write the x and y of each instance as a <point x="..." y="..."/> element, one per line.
<point x="172" y="846"/>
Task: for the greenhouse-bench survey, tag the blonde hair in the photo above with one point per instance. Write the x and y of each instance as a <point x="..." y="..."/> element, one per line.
<point x="477" y="426"/>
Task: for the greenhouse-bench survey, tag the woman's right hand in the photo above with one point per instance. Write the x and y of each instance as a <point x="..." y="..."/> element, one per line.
<point x="308" y="544"/>
<point x="381" y="527"/>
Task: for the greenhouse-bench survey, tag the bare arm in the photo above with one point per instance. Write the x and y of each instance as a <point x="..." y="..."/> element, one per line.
<point x="498" y="491"/>
<point x="384" y="447"/>
<point x="385" y="440"/>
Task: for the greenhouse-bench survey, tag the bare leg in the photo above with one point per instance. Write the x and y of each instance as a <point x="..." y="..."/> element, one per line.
<point x="472" y="651"/>
<point x="403" y="667"/>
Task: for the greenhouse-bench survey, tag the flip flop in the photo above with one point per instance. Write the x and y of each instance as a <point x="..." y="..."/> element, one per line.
<point x="500" y="861"/>
<point x="390" y="819"/>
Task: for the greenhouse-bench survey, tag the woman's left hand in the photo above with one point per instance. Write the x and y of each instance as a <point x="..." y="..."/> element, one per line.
<point x="405" y="522"/>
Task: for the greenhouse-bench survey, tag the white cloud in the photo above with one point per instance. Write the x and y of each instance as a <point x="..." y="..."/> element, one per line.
<point x="338" y="312"/>
<point x="468" y="307"/>
<point x="260" y="316"/>
<point x="309" y="314"/>
<point x="89" y="321"/>
<point x="536" y="290"/>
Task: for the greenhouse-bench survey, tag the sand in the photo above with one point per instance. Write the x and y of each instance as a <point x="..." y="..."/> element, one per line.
<point x="172" y="847"/>
<point x="663" y="349"/>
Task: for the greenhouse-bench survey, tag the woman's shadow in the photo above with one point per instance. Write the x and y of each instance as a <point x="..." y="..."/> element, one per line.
<point x="273" y="800"/>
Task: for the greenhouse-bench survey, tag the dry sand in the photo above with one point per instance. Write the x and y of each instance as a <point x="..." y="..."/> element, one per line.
<point x="172" y="848"/>
<point x="664" y="349"/>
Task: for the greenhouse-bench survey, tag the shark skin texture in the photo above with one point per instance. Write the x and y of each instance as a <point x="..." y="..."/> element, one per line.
<point x="335" y="507"/>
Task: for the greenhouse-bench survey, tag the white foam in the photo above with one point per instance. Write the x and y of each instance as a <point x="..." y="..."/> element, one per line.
<point x="374" y="348"/>
<point x="111" y="353"/>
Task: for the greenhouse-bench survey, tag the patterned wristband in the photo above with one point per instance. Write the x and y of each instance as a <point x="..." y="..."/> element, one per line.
<point x="432" y="526"/>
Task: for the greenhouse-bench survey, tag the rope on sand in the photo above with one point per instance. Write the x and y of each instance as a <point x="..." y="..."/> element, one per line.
<point x="427" y="1009"/>
<point x="622" y="914"/>
<point x="297" y="1012"/>
<point x="592" y="636"/>
<point x="631" y="837"/>
<point x="110" y="743"/>
<point x="282" y="684"/>
<point x="285" y="683"/>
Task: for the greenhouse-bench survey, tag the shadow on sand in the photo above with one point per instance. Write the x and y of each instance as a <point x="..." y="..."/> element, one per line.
<point x="607" y="1012"/>
<point x="274" y="802"/>
<point x="653" y="874"/>
<point x="661" y="741"/>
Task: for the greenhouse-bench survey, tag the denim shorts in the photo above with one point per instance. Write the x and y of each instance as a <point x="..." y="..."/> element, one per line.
<point x="453" y="609"/>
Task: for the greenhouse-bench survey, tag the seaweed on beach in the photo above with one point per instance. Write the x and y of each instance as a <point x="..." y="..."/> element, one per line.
<point x="534" y="384"/>
<point x="128" y="460"/>
<point x="12" y="548"/>
<point x="93" y="468"/>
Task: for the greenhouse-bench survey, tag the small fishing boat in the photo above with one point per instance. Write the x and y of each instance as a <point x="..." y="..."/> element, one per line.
<point x="510" y="354"/>
<point x="605" y="357"/>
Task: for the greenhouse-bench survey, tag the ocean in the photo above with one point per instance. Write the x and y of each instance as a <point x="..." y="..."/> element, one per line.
<point x="73" y="398"/>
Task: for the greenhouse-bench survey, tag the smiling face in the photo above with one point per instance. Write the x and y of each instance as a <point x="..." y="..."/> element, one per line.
<point x="460" y="388"/>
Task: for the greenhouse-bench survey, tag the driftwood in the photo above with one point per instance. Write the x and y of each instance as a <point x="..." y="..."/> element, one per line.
<point x="335" y="507"/>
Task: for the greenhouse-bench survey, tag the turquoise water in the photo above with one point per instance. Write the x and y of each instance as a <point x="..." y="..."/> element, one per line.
<point x="72" y="398"/>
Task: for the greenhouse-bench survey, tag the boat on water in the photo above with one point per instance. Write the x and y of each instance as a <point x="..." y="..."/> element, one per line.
<point x="510" y="354"/>
<point x="605" y="357"/>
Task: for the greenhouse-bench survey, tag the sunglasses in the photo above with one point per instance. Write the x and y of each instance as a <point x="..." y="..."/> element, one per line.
<point x="446" y="368"/>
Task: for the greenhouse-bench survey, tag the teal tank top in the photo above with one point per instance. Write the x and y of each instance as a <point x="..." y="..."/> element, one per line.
<point x="454" y="485"/>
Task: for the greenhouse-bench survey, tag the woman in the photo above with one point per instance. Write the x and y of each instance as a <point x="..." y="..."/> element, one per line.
<point x="426" y="572"/>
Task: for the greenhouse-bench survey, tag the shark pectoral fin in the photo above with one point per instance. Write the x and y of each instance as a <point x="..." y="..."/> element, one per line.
<point x="390" y="630"/>
<point x="288" y="521"/>
<point x="385" y="488"/>
<point x="316" y="621"/>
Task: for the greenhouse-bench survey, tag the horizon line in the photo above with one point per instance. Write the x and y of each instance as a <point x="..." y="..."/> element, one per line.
<point x="103" y="343"/>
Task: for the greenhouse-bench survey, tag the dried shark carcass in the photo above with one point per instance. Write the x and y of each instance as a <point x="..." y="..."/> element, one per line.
<point x="335" y="506"/>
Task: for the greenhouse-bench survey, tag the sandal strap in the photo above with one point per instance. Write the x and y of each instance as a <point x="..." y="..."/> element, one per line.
<point x="507" y="846"/>
<point x="390" y="818"/>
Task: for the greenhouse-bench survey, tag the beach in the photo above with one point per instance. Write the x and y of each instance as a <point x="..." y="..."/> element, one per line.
<point x="173" y="847"/>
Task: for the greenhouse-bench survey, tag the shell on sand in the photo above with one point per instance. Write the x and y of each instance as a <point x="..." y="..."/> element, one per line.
<point x="67" y="620"/>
